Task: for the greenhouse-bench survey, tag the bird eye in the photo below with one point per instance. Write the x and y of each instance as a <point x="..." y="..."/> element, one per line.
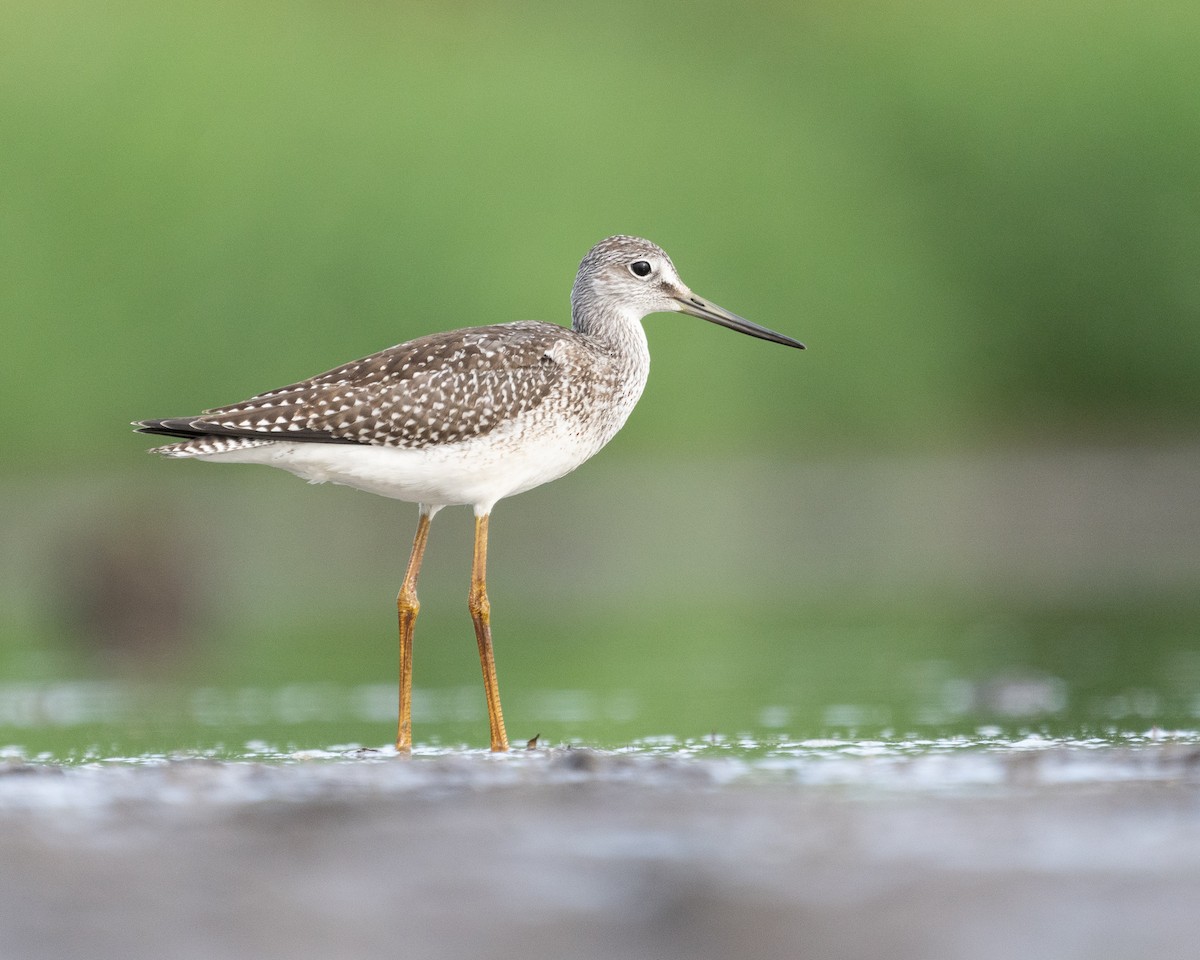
<point x="641" y="268"/>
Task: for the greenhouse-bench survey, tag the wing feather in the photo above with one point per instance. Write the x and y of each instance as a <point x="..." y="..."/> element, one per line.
<point x="437" y="389"/>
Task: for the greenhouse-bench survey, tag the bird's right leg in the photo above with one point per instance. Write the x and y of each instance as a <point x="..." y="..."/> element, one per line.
<point x="481" y="614"/>
<point x="407" y="608"/>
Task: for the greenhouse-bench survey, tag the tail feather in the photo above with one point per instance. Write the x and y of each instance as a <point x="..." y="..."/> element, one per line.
<point x="198" y="439"/>
<point x="206" y="446"/>
<point x="188" y="428"/>
<point x="174" y="427"/>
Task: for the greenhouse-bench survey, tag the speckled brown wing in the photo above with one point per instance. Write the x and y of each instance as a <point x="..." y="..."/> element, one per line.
<point x="437" y="389"/>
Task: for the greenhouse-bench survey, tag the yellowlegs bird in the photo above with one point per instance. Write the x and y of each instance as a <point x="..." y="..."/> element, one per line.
<point x="466" y="417"/>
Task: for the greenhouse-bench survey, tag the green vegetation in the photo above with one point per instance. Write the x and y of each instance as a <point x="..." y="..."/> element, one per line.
<point x="982" y="218"/>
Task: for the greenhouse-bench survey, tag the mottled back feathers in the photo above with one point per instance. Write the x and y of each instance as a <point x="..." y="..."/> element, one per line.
<point x="437" y="389"/>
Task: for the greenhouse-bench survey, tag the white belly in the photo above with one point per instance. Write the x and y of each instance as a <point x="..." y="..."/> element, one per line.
<point x="477" y="472"/>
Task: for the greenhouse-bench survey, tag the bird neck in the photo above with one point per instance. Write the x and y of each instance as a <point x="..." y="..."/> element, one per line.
<point x="618" y="333"/>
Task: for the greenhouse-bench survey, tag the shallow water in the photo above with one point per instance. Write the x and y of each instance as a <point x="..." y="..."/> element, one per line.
<point x="913" y="598"/>
<point x="987" y="759"/>
<point x="74" y="721"/>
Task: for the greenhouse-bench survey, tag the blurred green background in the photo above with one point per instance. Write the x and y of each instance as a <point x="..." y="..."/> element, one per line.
<point x="973" y="500"/>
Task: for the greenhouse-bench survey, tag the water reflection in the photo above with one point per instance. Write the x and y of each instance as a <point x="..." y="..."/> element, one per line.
<point x="929" y="594"/>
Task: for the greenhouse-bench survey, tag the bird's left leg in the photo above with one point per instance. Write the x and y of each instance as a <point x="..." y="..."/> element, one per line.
<point x="407" y="608"/>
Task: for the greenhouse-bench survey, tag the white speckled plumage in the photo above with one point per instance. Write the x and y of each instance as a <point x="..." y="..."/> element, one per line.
<point x="468" y="416"/>
<point x="465" y="417"/>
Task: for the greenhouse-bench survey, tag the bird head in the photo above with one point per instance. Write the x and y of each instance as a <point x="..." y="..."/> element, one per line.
<point x="632" y="277"/>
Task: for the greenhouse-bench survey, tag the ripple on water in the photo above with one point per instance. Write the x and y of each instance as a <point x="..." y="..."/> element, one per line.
<point x="259" y="771"/>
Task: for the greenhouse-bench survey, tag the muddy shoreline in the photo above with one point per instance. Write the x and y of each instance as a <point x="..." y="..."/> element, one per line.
<point x="1066" y="854"/>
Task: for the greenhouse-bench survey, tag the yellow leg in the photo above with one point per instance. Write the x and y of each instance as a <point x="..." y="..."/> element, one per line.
<point x="481" y="614"/>
<point x="407" y="608"/>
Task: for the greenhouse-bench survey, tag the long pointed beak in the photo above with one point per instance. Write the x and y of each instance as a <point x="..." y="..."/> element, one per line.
<point x="689" y="303"/>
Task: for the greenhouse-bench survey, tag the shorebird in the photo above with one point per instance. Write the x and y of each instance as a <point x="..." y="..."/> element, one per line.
<point x="466" y="417"/>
